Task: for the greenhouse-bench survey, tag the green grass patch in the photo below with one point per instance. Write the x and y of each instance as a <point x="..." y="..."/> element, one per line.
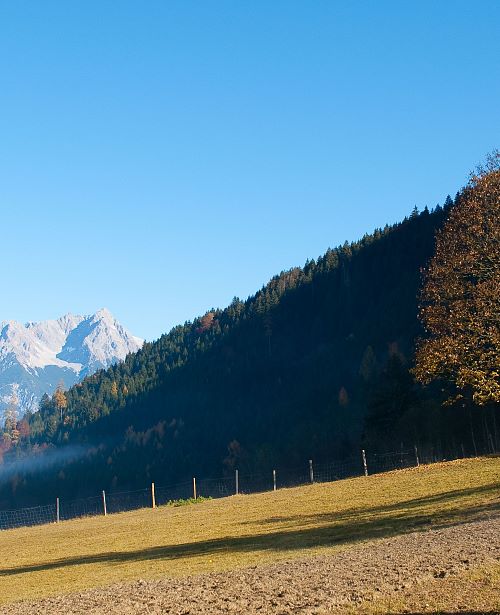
<point x="187" y="501"/>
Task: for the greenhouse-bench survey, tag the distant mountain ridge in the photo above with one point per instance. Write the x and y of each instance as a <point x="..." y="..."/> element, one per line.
<point x="36" y="356"/>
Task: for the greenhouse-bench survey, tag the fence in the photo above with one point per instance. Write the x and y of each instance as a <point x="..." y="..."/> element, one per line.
<point x="154" y="495"/>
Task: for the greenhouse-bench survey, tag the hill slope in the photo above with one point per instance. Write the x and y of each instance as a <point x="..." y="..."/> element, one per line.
<point x="312" y="363"/>
<point x="330" y="520"/>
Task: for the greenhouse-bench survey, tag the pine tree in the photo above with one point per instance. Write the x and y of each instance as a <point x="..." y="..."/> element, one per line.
<point x="393" y="397"/>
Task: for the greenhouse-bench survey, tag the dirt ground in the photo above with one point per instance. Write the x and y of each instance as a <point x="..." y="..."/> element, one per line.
<point x="409" y="573"/>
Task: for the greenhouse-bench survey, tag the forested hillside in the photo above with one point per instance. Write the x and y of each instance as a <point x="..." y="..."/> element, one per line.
<point x="313" y="365"/>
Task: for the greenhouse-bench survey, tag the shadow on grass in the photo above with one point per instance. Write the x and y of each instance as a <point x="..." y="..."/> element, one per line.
<point x="335" y="529"/>
<point x="453" y="499"/>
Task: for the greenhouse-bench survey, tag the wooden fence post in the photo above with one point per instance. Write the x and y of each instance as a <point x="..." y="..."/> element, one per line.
<point x="311" y="471"/>
<point x="237" y="481"/>
<point x="365" y="466"/>
<point x="57" y="511"/>
<point x="153" y="496"/>
<point x="274" y="480"/>
<point x="416" y="455"/>
<point x="194" y="488"/>
<point x="104" y="503"/>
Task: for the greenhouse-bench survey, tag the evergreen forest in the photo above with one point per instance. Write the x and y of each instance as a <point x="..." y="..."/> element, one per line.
<point x="317" y="364"/>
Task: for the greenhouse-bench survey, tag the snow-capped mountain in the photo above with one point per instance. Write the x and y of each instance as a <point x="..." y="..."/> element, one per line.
<point x="36" y="357"/>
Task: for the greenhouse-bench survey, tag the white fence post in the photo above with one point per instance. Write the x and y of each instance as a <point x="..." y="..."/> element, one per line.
<point x="274" y="480"/>
<point x="416" y="455"/>
<point x="237" y="481"/>
<point x="311" y="471"/>
<point x="104" y="503"/>
<point x="153" y="496"/>
<point x="57" y="511"/>
<point x="194" y="488"/>
<point x="365" y="467"/>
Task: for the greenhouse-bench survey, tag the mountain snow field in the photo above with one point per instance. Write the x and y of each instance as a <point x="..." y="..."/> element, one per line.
<point x="35" y="357"/>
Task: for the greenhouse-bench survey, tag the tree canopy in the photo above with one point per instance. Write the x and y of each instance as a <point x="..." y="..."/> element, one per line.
<point x="460" y="300"/>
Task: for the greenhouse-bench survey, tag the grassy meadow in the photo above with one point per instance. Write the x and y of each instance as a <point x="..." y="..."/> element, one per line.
<point x="242" y="530"/>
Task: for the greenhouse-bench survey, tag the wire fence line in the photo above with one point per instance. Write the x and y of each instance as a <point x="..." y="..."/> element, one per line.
<point x="157" y="495"/>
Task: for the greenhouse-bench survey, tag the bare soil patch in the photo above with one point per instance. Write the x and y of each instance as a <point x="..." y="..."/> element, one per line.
<point x="397" y="571"/>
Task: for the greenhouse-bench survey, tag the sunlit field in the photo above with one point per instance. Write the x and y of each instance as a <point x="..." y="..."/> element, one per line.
<point x="243" y="530"/>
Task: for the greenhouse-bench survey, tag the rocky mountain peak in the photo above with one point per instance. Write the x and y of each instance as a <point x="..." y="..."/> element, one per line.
<point x="36" y="356"/>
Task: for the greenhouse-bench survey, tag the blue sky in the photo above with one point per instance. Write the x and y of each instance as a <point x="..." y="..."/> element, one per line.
<point x="159" y="158"/>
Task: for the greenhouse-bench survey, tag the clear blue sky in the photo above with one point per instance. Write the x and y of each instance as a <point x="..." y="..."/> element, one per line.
<point x="160" y="157"/>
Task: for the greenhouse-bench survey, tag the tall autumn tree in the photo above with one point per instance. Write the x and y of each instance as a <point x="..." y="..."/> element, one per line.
<point x="60" y="400"/>
<point x="460" y="300"/>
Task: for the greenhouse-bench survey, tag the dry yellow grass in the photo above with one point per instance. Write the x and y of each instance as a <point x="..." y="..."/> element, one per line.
<point x="242" y="530"/>
<point x="476" y="592"/>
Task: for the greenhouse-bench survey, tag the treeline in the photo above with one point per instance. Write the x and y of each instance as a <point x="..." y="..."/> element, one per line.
<point x="315" y="364"/>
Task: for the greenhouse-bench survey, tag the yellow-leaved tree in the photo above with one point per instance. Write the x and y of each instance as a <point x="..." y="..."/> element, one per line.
<point x="460" y="300"/>
<point x="60" y="401"/>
